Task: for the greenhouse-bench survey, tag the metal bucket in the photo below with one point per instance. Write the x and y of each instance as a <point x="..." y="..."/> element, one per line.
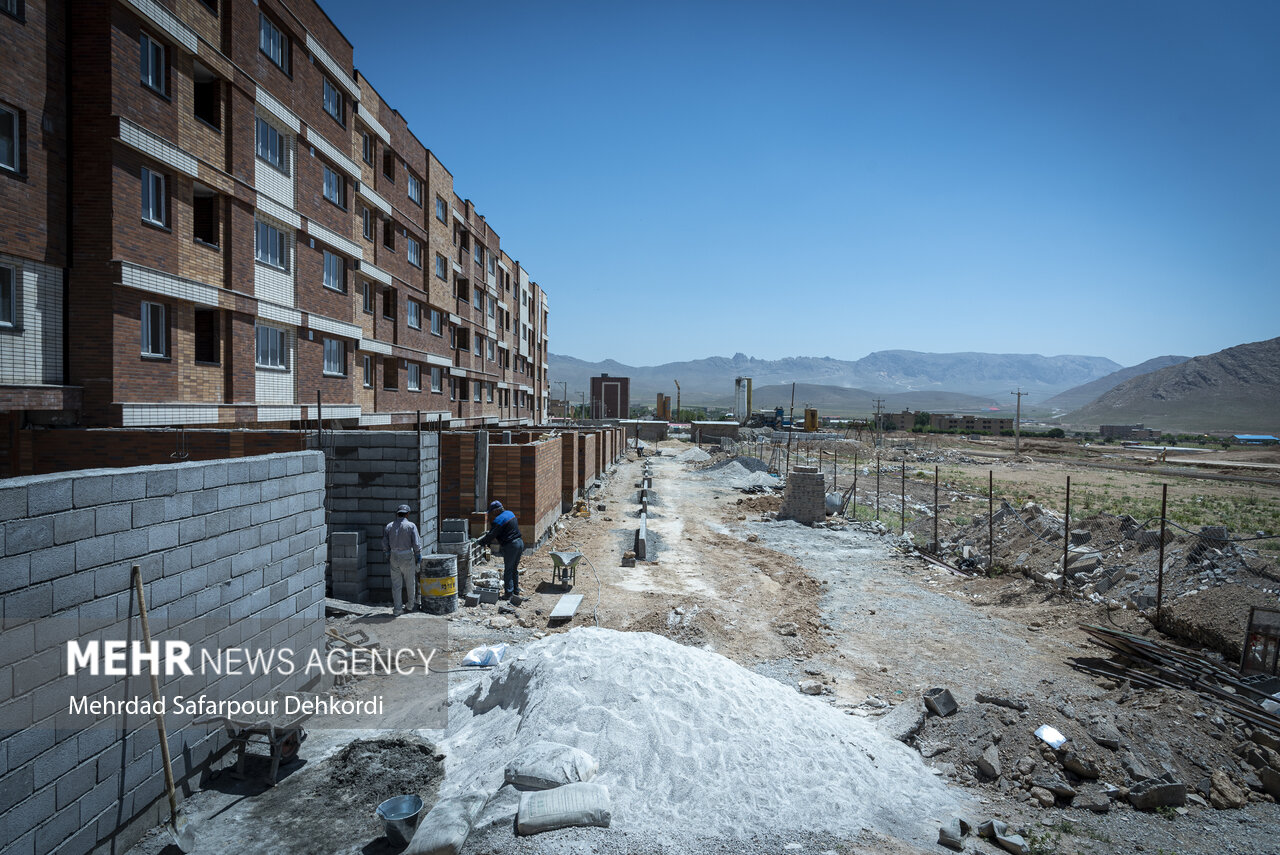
<point x="401" y="815"/>
<point x="438" y="584"/>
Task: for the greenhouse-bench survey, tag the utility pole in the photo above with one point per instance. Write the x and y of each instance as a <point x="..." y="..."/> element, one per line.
<point x="564" y="387"/>
<point x="1017" y="422"/>
<point x="878" y="425"/>
<point x="584" y="405"/>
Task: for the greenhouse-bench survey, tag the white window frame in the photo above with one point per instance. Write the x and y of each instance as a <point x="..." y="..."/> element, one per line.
<point x="154" y="202"/>
<point x="273" y="42"/>
<point x="271" y="145"/>
<point x="265" y="256"/>
<point x="413" y="381"/>
<point x="413" y="313"/>
<point x="368" y="371"/>
<point x="335" y="272"/>
<point x="335" y="187"/>
<point x="413" y="251"/>
<point x="437" y="379"/>
<point x="14" y="123"/>
<point x="155" y="338"/>
<point x="442" y="210"/>
<point x="8" y="296"/>
<point x="276" y="347"/>
<point x="437" y="322"/>
<point x="153" y="68"/>
<point x="415" y="189"/>
<point x="335" y="357"/>
<point x="333" y="102"/>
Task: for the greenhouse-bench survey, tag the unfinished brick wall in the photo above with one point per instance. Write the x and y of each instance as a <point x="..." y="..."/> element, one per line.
<point x="457" y="474"/>
<point x="587" y="460"/>
<point x="569" y="481"/>
<point x="526" y="479"/>
<point x="41" y="452"/>
<point x="227" y="550"/>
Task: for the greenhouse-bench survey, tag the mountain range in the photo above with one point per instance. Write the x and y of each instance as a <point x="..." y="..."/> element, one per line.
<point x="990" y="376"/>
<point x="1075" y="398"/>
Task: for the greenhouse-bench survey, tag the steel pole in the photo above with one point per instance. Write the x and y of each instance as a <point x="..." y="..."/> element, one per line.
<point x="1066" y="534"/>
<point x="1164" y="505"/>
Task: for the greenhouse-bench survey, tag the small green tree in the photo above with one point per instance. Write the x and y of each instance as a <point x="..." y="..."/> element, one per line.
<point x="923" y="420"/>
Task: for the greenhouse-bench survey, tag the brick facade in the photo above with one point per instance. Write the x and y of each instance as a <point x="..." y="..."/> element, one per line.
<point x="168" y="185"/>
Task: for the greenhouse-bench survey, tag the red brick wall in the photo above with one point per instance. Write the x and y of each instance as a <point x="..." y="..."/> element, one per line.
<point x="569" y="481"/>
<point x="45" y="451"/>
<point x="457" y="474"/>
<point x="587" y="441"/>
<point x="526" y="479"/>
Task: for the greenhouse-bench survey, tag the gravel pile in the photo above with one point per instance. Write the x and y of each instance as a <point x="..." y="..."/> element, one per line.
<point x="693" y="455"/>
<point x="693" y="748"/>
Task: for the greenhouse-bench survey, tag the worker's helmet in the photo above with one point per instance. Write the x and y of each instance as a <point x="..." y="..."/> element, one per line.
<point x="495" y="506"/>
<point x="403" y="509"/>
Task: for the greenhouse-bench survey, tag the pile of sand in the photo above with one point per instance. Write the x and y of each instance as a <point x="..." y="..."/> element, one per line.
<point x="691" y="746"/>
<point x="693" y="455"/>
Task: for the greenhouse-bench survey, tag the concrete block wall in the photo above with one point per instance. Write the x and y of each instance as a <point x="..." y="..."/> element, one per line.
<point x="805" y="497"/>
<point x="370" y="474"/>
<point x="226" y="548"/>
<point x="527" y="480"/>
<point x="348" y="558"/>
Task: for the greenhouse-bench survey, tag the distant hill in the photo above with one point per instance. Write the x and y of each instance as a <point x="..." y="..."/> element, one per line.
<point x="705" y="381"/>
<point x="1087" y="393"/>
<point x="1234" y="390"/>
<point x="836" y="401"/>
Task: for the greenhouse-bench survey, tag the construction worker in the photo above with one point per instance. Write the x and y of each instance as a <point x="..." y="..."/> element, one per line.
<point x="506" y="530"/>
<point x="403" y="547"/>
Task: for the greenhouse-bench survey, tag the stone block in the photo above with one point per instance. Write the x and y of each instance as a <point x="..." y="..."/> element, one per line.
<point x="13" y="503"/>
<point x="108" y="519"/>
<point x="49" y="496"/>
<point x="15" y="572"/>
<point x="26" y="535"/>
<point x="128" y="487"/>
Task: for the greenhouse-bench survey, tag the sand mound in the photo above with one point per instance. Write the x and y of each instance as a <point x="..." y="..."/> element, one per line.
<point x="693" y="455"/>
<point x="691" y="745"/>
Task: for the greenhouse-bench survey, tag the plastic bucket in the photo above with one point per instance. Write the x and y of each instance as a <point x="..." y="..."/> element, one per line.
<point x="401" y="816"/>
<point x="438" y="583"/>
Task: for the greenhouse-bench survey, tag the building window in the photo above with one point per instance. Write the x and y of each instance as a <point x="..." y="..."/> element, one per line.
<point x="153" y="198"/>
<point x="366" y="297"/>
<point x="205" y="216"/>
<point x="9" y="140"/>
<point x="368" y="371"/>
<point x="493" y="305"/>
<point x="335" y="187"/>
<point x="154" y="338"/>
<point x="477" y="391"/>
<point x="335" y="357"/>
<point x="440" y="209"/>
<point x="389" y="235"/>
<point x="208" y="336"/>
<point x="389" y="166"/>
<point x="269" y="246"/>
<point x="333" y="102"/>
<point x="479" y="345"/>
<point x="153" y="67"/>
<point x="414" y="378"/>
<point x="390" y="373"/>
<point x="271" y="348"/>
<point x="437" y="379"/>
<point x="8" y="296"/>
<point x="413" y="314"/>
<point x="366" y="219"/>
<point x="389" y="304"/>
<point x="477" y="298"/>
<point x="335" y="271"/>
<point x="12" y="7"/>
<point x="492" y="260"/>
<point x="442" y="268"/>
<point x="273" y="43"/>
<point x="488" y="346"/>
<point x="488" y="392"/>
<point x="415" y="190"/>
<point x="271" y="146"/>
<point x="207" y="91"/>
<point x="436" y="326"/>
<point x="413" y="251"/>
<point x="366" y="146"/>
<point x="479" y="254"/>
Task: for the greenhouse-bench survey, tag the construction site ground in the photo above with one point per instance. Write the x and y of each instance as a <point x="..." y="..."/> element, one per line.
<point x="836" y="611"/>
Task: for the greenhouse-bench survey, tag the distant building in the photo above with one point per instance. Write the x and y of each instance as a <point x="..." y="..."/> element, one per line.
<point x="1254" y="439"/>
<point x="969" y="424"/>
<point x="1127" y="432"/>
<point x="610" y="397"/>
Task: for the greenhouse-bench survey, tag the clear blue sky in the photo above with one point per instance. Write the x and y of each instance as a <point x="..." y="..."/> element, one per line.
<point x="689" y="179"/>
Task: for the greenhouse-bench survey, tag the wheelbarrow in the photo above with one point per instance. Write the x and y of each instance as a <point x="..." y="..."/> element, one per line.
<point x="564" y="568"/>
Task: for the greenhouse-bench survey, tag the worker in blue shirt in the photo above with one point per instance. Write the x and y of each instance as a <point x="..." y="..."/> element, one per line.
<point x="506" y="531"/>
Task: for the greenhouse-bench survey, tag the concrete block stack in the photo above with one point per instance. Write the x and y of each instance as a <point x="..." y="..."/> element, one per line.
<point x="805" y="498"/>
<point x="347" y="557"/>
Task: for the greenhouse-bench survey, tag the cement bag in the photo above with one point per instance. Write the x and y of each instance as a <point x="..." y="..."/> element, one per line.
<point x="444" y="830"/>
<point x="563" y="807"/>
<point x="485" y="657"/>
<point x="544" y="765"/>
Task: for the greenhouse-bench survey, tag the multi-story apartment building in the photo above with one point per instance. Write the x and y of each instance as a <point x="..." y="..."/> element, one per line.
<point x="238" y="227"/>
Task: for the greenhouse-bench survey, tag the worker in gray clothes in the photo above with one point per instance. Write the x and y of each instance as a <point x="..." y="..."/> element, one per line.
<point x="403" y="547"/>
